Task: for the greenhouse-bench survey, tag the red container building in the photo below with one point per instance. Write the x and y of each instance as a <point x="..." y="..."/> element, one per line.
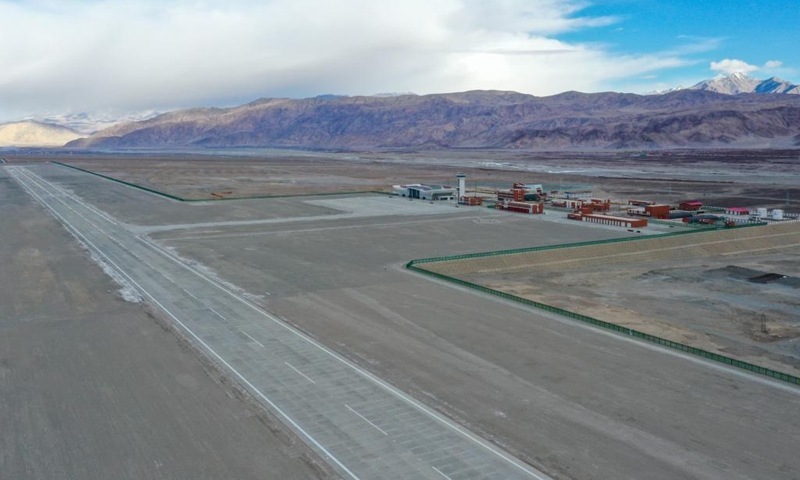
<point x="657" y="211"/>
<point x="609" y="220"/>
<point x="520" y="207"/>
<point x="691" y="205"/>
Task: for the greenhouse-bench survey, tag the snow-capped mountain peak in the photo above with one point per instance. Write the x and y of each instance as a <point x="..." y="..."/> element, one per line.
<point x="739" y="82"/>
<point x="732" y="84"/>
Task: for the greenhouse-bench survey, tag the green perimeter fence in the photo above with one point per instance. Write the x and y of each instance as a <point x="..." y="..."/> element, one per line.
<point x="182" y="199"/>
<point x="412" y="265"/>
<point x="555" y="247"/>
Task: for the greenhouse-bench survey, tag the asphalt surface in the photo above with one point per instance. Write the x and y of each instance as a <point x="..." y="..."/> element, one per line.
<point x="362" y="426"/>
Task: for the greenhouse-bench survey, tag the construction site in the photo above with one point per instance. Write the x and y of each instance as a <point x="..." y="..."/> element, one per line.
<point x="413" y="321"/>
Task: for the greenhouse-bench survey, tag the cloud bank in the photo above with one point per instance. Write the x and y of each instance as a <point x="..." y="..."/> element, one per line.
<point x="729" y="65"/>
<point x="76" y="55"/>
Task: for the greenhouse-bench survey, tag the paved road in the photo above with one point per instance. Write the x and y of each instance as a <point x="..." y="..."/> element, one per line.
<point x="364" y="427"/>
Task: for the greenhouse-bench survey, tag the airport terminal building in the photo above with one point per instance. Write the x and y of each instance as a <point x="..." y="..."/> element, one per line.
<point x="425" y="192"/>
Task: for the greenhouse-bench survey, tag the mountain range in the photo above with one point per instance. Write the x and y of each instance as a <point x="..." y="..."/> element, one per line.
<point x="738" y="82"/>
<point x="476" y="119"/>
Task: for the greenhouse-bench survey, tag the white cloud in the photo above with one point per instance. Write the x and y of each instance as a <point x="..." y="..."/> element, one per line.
<point x="87" y="55"/>
<point x="729" y="66"/>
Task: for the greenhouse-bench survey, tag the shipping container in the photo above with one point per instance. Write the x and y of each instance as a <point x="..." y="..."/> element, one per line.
<point x="609" y="220"/>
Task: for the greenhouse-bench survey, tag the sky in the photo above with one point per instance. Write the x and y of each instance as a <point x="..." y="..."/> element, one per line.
<point x="69" y="56"/>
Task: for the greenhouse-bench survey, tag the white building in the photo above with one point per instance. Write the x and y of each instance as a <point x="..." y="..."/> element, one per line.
<point x="578" y="194"/>
<point x="425" y="192"/>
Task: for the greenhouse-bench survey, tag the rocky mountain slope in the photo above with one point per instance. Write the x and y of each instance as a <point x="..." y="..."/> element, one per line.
<point x="35" y="134"/>
<point x="477" y="119"/>
<point x="776" y="85"/>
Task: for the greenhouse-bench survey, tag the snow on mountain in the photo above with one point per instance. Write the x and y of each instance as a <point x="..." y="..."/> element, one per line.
<point x="88" y="123"/>
<point x="732" y="84"/>
<point x="668" y="90"/>
<point x="738" y="82"/>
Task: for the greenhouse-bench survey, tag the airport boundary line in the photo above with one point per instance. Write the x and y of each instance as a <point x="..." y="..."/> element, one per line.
<point x="565" y="245"/>
<point x="123" y="182"/>
<point x="514" y="251"/>
<point x="189" y="200"/>
<point x="412" y="265"/>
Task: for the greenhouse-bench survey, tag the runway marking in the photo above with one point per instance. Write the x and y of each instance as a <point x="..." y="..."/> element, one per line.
<point x="190" y="294"/>
<point x="366" y="420"/>
<point x="217" y="314"/>
<point x="241" y="377"/>
<point x="251" y="338"/>
<point x="441" y="473"/>
<point x="301" y="373"/>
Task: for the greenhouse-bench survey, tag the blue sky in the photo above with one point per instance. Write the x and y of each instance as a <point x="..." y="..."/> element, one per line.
<point x="62" y="56"/>
<point x="755" y="32"/>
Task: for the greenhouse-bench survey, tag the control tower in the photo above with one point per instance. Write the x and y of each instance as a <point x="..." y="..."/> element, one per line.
<point x="462" y="184"/>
